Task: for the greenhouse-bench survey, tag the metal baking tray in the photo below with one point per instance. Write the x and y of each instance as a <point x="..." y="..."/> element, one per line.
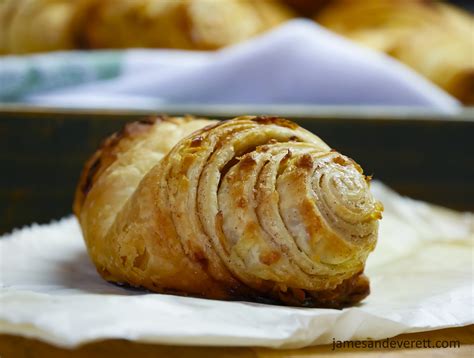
<point x="425" y="155"/>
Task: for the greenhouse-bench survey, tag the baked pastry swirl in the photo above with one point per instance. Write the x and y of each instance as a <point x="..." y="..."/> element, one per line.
<point x="253" y="208"/>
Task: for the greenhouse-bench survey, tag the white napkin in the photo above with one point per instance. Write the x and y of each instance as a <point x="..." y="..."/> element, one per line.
<point x="421" y="277"/>
<point x="297" y="63"/>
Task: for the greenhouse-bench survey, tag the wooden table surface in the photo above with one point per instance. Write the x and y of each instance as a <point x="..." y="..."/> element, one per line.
<point x="17" y="347"/>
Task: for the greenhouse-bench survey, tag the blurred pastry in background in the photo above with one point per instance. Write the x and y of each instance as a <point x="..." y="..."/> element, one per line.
<point x="7" y="9"/>
<point x="195" y="24"/>
<point x="28" y="26"/>
<point x="434" y="38"/>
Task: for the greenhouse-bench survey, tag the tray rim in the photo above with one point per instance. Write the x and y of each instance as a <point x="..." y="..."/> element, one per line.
<point x="304" y="112"/>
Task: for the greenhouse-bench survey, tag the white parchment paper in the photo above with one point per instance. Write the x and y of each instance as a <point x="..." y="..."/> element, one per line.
<point x="421" y="276"/>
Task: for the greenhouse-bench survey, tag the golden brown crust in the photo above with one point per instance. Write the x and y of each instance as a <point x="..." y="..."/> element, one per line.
<point x="252" y="208"/>
<point x="107" y="154"/>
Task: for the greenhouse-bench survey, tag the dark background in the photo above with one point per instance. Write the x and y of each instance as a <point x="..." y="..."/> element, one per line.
<point x="467" y="4"/>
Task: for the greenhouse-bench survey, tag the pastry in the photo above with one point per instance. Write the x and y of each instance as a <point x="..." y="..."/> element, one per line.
<point x="28" y="26"/>
<point x="432" y="37"/>
<point x="254" y="208"/>
<point x="192" y="24"/>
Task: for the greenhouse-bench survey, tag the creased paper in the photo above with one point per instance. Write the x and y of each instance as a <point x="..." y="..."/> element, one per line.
<point x="421" y="277"/>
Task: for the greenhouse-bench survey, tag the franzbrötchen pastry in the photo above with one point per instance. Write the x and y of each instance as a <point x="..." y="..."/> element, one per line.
<point x="253" y="208"/>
